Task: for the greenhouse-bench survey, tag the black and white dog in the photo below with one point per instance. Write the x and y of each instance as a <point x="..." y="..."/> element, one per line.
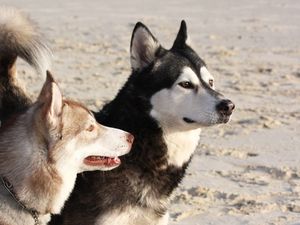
<point x="165" y="103"/>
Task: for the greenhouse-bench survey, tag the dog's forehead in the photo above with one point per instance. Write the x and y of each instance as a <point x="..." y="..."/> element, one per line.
<point x="196" y="64"/>
<point x="77" y="112"/>
<point x="192" y="57"/>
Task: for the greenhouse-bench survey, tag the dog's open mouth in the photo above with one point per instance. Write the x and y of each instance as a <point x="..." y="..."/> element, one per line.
<point x="102" y="161"/>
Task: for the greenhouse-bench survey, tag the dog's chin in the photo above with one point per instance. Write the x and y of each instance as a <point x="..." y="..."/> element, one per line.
<point x="94" y="168"/>
<point x="223" y="119"/>
<point x="98" y="168"/>
<point x="219" y="120"/>
<point x="108" y="168"/>
<point x="196" y="124"/>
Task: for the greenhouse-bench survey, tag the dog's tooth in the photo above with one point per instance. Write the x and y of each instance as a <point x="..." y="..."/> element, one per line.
<point x="116" y="160"/>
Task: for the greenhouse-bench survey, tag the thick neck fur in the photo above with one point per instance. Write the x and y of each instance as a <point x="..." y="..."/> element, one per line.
<point x="24" y="162"/>
<point x="181" y="144"/>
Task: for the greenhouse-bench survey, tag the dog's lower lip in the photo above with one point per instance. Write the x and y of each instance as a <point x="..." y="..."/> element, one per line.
<point x="187" y="120"/>
<point x="102" y="161"/>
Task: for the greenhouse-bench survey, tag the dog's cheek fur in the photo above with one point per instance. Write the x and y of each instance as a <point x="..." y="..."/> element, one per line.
<point x="171" y="105"/>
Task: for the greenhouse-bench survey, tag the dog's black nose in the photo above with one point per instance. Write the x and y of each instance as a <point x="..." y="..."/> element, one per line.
<point x="225" y="107"/>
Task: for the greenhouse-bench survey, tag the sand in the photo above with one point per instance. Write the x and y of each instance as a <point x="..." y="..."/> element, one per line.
<point x="245" y="172"/>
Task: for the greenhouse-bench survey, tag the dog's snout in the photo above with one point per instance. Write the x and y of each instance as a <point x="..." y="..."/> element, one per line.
<point x="225" y="107"/>
<point x="130" y="138"/>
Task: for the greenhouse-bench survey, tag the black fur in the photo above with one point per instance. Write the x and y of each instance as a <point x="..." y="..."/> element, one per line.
<point x="146" y="166"/>
<point x="13" y="99"/>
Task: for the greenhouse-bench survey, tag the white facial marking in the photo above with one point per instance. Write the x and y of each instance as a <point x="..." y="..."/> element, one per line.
<point x="171" y="106"/>
<point x="188" y="75"/>
<point x="206" y="76"/>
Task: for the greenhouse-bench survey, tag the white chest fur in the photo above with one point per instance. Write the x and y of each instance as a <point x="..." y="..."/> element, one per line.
<point x="181" y="145"/>
<point x="133" y="216"/>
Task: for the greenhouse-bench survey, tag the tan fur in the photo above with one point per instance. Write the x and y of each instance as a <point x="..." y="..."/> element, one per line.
<point x="46" y="174"/>
<point x="19" y="37"/>
<point x="42" y="145"/>
<point x="43" y="149"/>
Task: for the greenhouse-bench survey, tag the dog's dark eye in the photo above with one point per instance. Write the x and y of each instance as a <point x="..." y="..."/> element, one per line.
<point x="211" y="82"/>
<point x="186" y="85"/>
<point x="90" y="128"/>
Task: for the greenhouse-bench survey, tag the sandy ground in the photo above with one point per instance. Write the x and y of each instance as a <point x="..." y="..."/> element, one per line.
<point x="246" y="172"/>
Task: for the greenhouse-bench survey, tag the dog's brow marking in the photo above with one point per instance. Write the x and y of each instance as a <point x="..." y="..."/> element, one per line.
<point x="189" y="75"/>
<point x="205" y="74"/>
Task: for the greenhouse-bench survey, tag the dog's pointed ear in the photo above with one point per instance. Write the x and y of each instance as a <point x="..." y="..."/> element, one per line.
<point x="52" y="102"/>
<point x="143" y="47"/>
<point x="182" y="36"/>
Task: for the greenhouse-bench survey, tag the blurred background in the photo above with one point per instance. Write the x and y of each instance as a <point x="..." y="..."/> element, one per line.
<point x="245" y="172"/>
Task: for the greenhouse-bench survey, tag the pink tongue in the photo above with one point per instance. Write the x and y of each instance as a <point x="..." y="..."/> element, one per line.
<point x="100" y="161"/>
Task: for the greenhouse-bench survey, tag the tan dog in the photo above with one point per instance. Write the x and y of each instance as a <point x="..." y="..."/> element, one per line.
<point x="48" y="142"/>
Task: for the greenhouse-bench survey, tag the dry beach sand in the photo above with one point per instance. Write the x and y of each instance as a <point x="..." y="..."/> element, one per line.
<point x="245" y="172"/>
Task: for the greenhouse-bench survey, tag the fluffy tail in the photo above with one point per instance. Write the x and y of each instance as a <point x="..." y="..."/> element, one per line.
<point x="19" y="37"/>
